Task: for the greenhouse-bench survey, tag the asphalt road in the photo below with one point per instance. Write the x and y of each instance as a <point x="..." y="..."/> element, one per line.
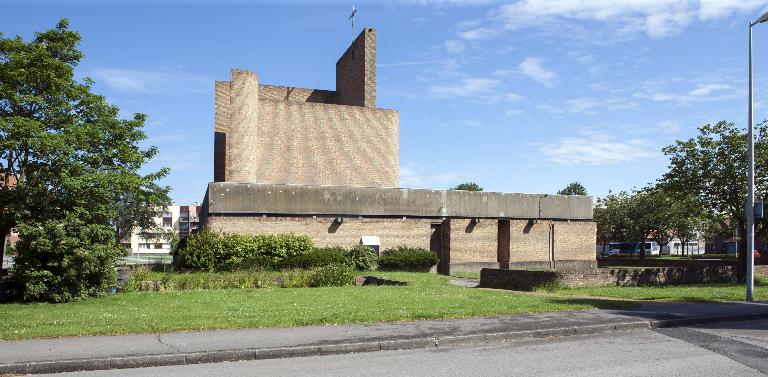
<point x="725" y="349"/>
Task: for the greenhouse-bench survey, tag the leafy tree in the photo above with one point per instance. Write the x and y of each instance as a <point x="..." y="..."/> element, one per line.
<point x="611" y="214"/>
<point x="468" y="186"/>
<point x="573" y="188"/>
<point x="712" y="167"/>
<point x="66" y="148"/>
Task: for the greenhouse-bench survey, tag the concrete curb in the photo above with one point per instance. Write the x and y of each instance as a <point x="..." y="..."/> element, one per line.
<point x="125" y="362"/>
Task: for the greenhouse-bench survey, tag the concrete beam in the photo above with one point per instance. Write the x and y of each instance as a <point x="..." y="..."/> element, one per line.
<point x="250" y="198"/>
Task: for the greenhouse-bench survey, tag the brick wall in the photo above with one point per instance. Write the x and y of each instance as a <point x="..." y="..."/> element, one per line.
<point x="221" y="122"/>
<point x="356" y="71"/>
<point x="575" y="240"/>
<point x="528" y="241"/>
<point x="324" y="232"/>
<point x="243" y="113"/>
<point x="309" y="143"/>
<point x="472" y="245"/>
<point x="526" y="280"/>
<point x="285" y="93"/>
<point x="473" y="242"/>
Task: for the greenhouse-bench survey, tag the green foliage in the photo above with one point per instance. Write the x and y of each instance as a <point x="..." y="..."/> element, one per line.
<point x="59" y="261"/>
<point x="334" y="275"/>
<point x="467" y="186"/>
<point x="322" y="256"/>
<point x="65" y="154"/>
<point x="207" y="250"/>
<point x="171" y="281"/>
<point x="363" y="258"/>
<point x="404" y="258"/>
<point x="573" y="188"/>
<point x="201" y="251"/>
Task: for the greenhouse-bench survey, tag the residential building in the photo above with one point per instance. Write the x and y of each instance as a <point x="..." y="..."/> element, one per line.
<point x="181" y="220"/>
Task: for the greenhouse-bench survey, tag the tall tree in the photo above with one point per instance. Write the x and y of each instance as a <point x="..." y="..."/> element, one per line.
<point x="712" y="167"/>
<point x="612" y="215"/>
<point x="573" y="188"/>
<point x="66" y="148"/>
<point x="467" y="186"/>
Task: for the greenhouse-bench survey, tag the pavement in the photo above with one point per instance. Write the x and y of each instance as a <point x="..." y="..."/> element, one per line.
<point x="154" y="350"/>
<point x="688" y="352"/>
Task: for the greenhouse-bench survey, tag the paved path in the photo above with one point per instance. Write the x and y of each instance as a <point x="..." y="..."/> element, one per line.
<point x="724" y="349"/>
<point x="105" y="352"/>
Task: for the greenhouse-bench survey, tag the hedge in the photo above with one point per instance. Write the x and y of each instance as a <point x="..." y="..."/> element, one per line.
<point x="404" y="258"/>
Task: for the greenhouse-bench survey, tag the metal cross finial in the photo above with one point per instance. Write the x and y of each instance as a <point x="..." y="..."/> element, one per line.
<point x="352" y="17"/>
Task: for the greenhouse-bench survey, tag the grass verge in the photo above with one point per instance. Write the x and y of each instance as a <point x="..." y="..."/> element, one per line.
<point x="427" y="296"/>
<point x="679" y="293"/>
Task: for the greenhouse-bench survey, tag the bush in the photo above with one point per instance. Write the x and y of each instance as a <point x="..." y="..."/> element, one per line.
<point x="317" y="257"/>
<point x="405" y="258"/>
<point x="362" y="258"/>
<point x="335" y="275"/>
<point x="209" y="251"/>
<point x="198" y="280"/>
<point x="60" y="261"/>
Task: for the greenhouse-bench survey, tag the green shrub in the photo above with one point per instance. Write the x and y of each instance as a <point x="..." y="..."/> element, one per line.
<point x="199" y="280"/>
<point x="362" y="258"/>
<point x="201" y="251"/>
<point x="405" y="258"/>
<point x="321" y="256"/>
<point x="59" y="261"/>
<point x="209" y="251"/>
<point x="335" y="275"/>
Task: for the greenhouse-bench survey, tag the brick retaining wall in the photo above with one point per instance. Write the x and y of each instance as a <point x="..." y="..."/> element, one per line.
<point x="651" y="262"/>
<point x="524" y="280"/>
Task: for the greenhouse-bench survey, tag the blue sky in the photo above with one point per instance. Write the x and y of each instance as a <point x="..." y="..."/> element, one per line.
<point x="518" y="96"/>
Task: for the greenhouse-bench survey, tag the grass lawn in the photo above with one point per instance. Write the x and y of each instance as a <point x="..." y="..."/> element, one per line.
<point x="693" y="292"/>
<point x="426" y="296"/>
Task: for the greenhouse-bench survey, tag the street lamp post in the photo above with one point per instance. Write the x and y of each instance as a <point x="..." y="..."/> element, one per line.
<point x="749" y="210"/>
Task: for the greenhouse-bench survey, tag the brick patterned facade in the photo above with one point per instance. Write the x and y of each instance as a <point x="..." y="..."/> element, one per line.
<point x="473" y="245"/>
<point x="325" y="232"/>
<point x="285" y="135"/>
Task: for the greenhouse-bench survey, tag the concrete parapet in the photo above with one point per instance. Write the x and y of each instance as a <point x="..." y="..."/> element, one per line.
<point x="249" y="198"/>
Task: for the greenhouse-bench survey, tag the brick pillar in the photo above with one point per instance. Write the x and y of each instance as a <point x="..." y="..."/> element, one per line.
<point x="445" y="248"/>
<point x="356" y="71"/>
<point x="502" y="240"/>
<point x="243" y="123"/>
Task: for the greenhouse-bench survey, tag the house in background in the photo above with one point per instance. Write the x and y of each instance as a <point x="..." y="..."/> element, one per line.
<point x="181" y="220"/>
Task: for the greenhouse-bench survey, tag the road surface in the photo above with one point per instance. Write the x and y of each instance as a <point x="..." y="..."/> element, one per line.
<point x="724" y="349"/>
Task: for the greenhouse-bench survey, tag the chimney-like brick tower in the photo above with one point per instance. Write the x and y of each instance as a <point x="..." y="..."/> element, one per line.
<point x="356" y="71"/>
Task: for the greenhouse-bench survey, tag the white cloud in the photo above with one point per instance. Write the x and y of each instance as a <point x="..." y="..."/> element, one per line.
<point x="589" y="105"/>
<point x="655" y="18"/>
<point x="467" y="87"/>
<point x="454" y="46"/>
<point x="700" y="93"/>
<point x="479" y="33"/>
<point x="127" y="80"/>
<point x="415" y="176"/>
<point x="534" y="68"/>
<point x="595" y="148"/>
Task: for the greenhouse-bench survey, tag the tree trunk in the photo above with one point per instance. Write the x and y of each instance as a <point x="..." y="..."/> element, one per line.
<point x="642" y="252"/>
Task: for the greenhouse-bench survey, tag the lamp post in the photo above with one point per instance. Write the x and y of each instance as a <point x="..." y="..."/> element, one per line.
<point x="749" y="210"/>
